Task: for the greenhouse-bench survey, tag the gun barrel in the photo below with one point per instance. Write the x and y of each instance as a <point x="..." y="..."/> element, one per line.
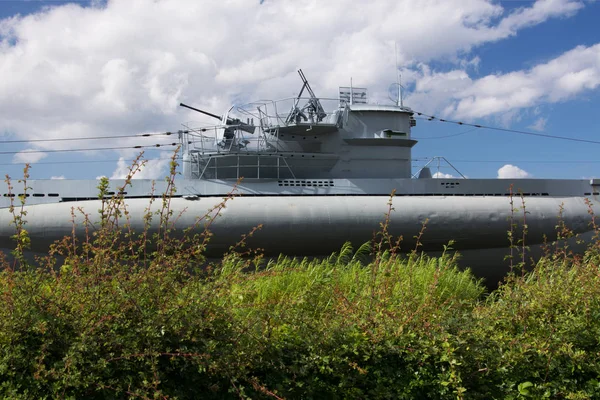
<point x="200" y="111"/>
<point x="230" y="121"/>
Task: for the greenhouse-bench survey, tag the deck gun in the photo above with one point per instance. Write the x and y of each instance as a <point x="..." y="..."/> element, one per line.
<point x="313" y="107"/>
<point x="231" y="122"/>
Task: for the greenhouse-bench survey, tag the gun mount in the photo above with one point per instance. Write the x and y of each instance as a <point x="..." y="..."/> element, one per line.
<point x="312" y="110"/>
<point x="231" y="123"/>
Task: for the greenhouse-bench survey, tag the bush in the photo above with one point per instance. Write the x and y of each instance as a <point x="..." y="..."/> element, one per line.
<point x="297" y="328"/>
<point x="538" y="335"/>
<point x="130" y="315"/>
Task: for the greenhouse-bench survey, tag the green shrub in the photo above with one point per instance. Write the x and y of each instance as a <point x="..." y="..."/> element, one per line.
<point x="131" y="315"/>
<point x="538" y="335"/>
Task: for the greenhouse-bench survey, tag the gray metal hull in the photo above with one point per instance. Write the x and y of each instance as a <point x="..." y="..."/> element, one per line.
<point x="317" y="216"/>
<point x="319" y="225"/>
<point x="315" y="178"/>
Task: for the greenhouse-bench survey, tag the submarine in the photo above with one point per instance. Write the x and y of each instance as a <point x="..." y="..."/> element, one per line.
<point x="315" y="173"/>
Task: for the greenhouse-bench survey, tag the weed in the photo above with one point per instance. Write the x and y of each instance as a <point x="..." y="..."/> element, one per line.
<point x="133" y="314"/>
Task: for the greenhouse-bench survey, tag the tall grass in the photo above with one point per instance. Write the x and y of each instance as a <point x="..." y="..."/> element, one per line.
<point x="123" y="317"/>
<point x="330" y="284"/>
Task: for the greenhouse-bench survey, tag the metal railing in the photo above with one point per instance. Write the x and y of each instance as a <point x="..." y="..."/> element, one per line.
<point x="237" y="149"/>
<point x="242" y="167"/>
<point x="220" y="139"/>
<point x="438" y="162"/>
<point x="291" y="111"/>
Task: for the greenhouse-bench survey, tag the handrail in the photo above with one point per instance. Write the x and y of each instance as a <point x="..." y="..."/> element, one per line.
<point x="440" y="160"/>
<point x="267" y="112"/>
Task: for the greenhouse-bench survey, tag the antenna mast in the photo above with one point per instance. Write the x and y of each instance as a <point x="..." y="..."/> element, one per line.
<point x="400" y="90"/>
<point x="398" y="77"/>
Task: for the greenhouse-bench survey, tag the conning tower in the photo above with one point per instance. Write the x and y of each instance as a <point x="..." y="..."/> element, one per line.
<point x="315" y="138"/>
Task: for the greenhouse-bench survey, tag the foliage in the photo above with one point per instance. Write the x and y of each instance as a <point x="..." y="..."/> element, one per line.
<point x="122" y="314"/>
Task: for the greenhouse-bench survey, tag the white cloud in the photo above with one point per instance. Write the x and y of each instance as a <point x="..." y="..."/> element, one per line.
<point x="153" y="169"/>
<point x="470" y="64"/>
<point x="58" y="177"/>
<point x="122" y="67"/>
<point x="442" y="175"/>
<point x="512" y="172"/>
<point x="456" y="93"/>
<point x="539" y="12"/>
<point x="24" y="156"/>
<point x="539" y="124"/>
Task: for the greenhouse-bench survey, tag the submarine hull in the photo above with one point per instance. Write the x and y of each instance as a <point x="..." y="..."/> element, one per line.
<point x="315" y="226"/>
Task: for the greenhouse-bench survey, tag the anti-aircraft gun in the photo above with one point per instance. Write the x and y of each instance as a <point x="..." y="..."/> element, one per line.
<point x="313" y="106"/>
<point x="231" y="124"/>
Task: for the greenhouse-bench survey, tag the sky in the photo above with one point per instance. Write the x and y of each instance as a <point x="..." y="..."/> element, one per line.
<point x="110" y="70"/>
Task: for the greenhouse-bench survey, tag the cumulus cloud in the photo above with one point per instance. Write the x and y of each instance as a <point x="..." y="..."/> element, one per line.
<point x="510" y="171"/>
<point x="123" y="66"/>
<point x="539" y="12"/>
<point x="153" y="169"/>
<point x="442" y="175"/>
<point x="28" y="156"/>
<point x="58" y="177"/>
<point x="119" y="59"/>
<point x="539" y="124"/>
<point x="456" y="93"/>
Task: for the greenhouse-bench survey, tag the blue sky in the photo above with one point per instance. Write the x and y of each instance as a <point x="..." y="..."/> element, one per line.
<point x="576" y="117"/>
<point x="121" y="67"/>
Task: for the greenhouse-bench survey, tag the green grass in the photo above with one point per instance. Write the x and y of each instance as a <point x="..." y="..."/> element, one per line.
<point x="395" y="327"/>
<point x="120" y="318"/>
